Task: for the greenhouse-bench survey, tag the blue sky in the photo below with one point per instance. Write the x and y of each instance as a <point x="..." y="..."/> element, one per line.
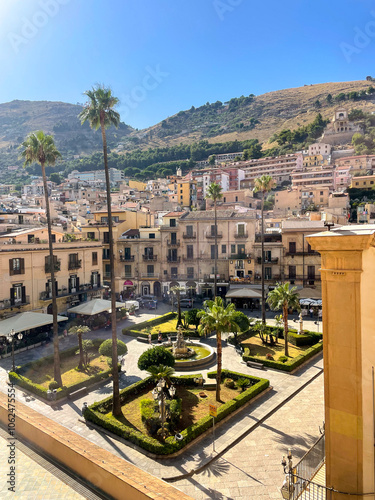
<point x="161" y="56"/>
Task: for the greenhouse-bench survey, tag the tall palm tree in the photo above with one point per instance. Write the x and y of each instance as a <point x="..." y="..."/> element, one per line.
<point x="216" y="317"/>
<point x="99" y="112"/>
<point x="263" y="184"/>
<point x="40" y="148"/>
<point x="283" y="297"/>
<point x="214" y="193"/>
<point x="79" y="331"/>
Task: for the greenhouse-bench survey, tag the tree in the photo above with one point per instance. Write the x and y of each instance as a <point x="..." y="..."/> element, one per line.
<point x="263" y="184"/>
<point x="329" y="98"/>
<point x="242" y="321"/>
<point x="55" y="177"/>
<point x="191" y="318"/>
<point x="283" y="297"/>
<point x="216" y="317"/>
<point x="40" y="148"/>
<point x="317" y="104"/>
<point x="79" y="331"/>
<point x="155" y="356"/>
<point x="158" y="372"/>
<point x="212" y="160"/>
<point x="99" y="112"/>
<point x="105" y="348"/>
<point x="214" y="193"/>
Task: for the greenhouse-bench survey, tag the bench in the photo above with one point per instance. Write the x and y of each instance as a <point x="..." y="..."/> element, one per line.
<point x="143" y="339"/>
<point x="254" y="364"/>
<point x="78" y="393"/>
<point x="209" y="385"/>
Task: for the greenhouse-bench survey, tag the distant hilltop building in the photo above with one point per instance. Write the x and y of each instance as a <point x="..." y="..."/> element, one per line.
<point x="341" y="130"/>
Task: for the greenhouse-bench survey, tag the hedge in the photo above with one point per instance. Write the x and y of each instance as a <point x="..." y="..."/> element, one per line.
<point x="289" y="365"/>
<point x="307" y="338"/>
<point x="61" y="392"/>
<point x="95" y="414"/>
<point x="149" y="323"/>
<point x="154" y="336"/>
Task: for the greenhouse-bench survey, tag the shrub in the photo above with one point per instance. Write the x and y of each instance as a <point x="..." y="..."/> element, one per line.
<point x="105" y="348"/>
<point x="242" y="321"/>
<point x="307" y="338"/>
<point x="243" y="383"/>
<point x="158" y="355"/>
<point x="269" y="356"/>
<point x="53" y="385"/>
<point x="228" y="382"/>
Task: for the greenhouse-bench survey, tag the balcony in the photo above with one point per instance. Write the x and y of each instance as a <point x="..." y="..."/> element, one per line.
<point x="164" y="227"/>
<point x="175" y="243"/>
<point x="186" y="258"/>
<point x="150" y="258"/>
<point x="150" y="275"/>
<point x="173" y="260"/>
<point x="7" y="303"/>
<point x="211" y="236"/>
<point x="180" y="277"/>
<point x="126" y="258"/>
<point x="241" y="236"/>
<point x="239" y="256"/>
<point x="57" y="267"/>
<point x="220" y="278"/>
<point x="274" y="260"/>
<point x="312" y="253"/>
<point x="191" y="236"/>
<point x="65" y="292"/>
<point x="75" y="264"/>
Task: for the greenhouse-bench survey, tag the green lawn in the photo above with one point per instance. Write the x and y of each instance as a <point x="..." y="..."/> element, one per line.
<point x="43" y="374"/>
<point x="168" y="326"/>
<point x="193" y="406"/>
<point x="260" y="350"/>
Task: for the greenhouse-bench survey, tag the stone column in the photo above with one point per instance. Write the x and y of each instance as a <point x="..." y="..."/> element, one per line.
<point x="348" y="292"/>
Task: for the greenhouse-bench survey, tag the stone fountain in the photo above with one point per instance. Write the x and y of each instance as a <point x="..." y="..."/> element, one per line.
<point x="180" y="350"/>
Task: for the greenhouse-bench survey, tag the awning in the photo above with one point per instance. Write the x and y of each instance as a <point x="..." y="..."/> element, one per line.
<point x="243" y="293"/>
<point x="128" y="283"/>
<point x="95" y="306"/>
<point x="26" y="321"/>
<point x="309" y="293"/>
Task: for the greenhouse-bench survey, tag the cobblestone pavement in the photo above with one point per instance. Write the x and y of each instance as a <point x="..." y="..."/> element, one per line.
<point x="283" y="387"/>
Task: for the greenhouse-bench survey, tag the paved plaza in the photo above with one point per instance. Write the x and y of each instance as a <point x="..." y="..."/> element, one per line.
<point x="287" y="415"/>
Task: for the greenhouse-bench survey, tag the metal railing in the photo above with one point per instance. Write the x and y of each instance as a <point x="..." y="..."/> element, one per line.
<point x="152" y="258"/>
<point x="175" y="243"/>
<point x="239" y="236"/>
<point x="189" y="236"/>
<point x="273" y="260"/>
<point x="57" y="267"/>
<point x="209" y="235"/>
<point x="175" y="260"/>
<point x="127" y="258"/>
<point x="75" y="264"/>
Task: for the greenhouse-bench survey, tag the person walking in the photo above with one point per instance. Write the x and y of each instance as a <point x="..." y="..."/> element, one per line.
<point x="160" y="337"/>
<point x="149" y="338"/>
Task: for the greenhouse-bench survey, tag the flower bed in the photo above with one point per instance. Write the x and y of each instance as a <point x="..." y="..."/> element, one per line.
<point x="98" y="413"/>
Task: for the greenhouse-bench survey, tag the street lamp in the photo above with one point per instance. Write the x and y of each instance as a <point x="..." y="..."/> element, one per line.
<point x="160" y="396"/>
<point x="287" y="487"/>
<point x="11" y="337"/>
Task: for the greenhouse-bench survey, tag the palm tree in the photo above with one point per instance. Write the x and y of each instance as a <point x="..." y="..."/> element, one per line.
<point x="99" y="112"/>
<point x="283" y="297"/>
<point x="216" y="317"/>
<point x="79" y="331"/>
<point x="160" y="371"/>
<point x="40" y="148"/>
<point x="263" y="184"/>
<point x="214" y="193"/>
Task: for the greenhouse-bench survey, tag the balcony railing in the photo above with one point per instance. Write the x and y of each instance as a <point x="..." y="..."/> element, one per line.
<point x="164" y="227"/>
<point x="65" y="291"/>
<point x="273" y="260"/>
<point x="75" y="264"/>
<point x="180" y="277"/>
<point x="239" y="256"/>
<point x="6" y="303"/>
<point x="220" y="278"/>
<point x="175" y="243"/>
<point x="210" y="235"/>
<point x="175" y="260"/>
<point x="288" y="254"/>
<point x="191" y="236"/>
<point x="186" y="258"/>
<point x="150" y="258"/>
<point x="150" y="275"/>
<point x="127" y="258"/>
<point x="243" y="235"/>
<point x="57" y="267"/>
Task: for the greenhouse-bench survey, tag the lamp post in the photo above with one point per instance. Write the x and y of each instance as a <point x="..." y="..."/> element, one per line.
<point x="160" y="396"/>
<point x="287" y="488"/>
<point x="10" y="338"/>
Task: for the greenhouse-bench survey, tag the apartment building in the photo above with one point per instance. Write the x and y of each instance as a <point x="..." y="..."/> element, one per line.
<point x="359" y="164"/>
<point x="320" y="148"/>
<point x="342" y="177"/>
<point x="363" y="182"/>
<point x="91" y="176"/>
<point x="278" y="167"/>
<point x="26" y="277"/>
<point x="184" y="192"/>
<point x="318" y="176"/>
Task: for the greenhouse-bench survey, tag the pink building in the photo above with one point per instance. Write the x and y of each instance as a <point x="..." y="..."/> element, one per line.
<point x="342" y="177"/>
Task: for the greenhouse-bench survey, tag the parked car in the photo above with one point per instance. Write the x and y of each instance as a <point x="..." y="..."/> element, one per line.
<point x="149" y="297"/>
<point x="184" y="303"/>
<point x="150" y="304"/>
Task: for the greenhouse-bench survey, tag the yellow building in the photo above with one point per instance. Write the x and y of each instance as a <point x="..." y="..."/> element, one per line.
<point x="314" y="160"/>
<point x="363" y="182"/>
<point x="26" y="278"/>
<point x="138" y="185"/>
<point x="184" y="191"/>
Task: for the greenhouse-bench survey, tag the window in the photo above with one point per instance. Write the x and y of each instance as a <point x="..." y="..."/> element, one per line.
<point x="16" y="266"/>
<point x="292" y="272"/>
<point x="223" y="249"/>
<point x="149" y="253"/>
<point x="91" y="236"/>
<point x="151" y="236"/>
<point x="233" y="249"/>
<point x="18" y="294"/>
<point x="94" y="261"/>
<point x="190" y="272"/>
<point x="73" y="283"/>
<point x="241" y="229"/>
<point x="106" y="237"/>
<point x="189" y="230"/>
<point x="241" y="249"/>
<point x="128" y="271"/>
<point x="53" y="237"/>
<point x="213" y="251"/>
<point x="268" y="273"/>
<point x="150" y="270"/>
<point x="321" y="193"/>
<point x="292" y="247"/>
<point x="309" y="249"/>
<point x="105" y="253"/>
<point x="213" y="230"/>
<point x="172" y="223"/>
<point x="267" y="256"/>
<point x="95" y="279"/>
<point x="173" y="238"/>
<point x="174" y="271"/>
<point x="310" y="272"/>
<point x="190" y="251"/>
<point x="47" y="266"/>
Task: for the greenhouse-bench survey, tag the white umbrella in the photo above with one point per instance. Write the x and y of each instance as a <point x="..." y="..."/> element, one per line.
<point x="93" y="307"/>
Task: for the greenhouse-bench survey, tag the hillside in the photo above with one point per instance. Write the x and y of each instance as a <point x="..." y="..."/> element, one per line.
<point x="18" y="118"/>
<point x="251" y="117"/>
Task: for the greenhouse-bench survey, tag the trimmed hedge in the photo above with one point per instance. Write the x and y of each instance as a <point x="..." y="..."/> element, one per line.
<point x="96" y="414"/>
<point x="288" y="366"/>
<point x="149" y="323"/>
<point x="61" y="392"/>
<point x="307" y="338"/>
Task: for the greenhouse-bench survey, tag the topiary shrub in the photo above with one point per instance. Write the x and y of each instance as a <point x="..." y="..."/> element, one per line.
<point x="155" y="356"/>
<point x="53" y="385"/>
<point x="243" y="383"/>
<point x="283" y="359"/>
<point x="105" y="348"/>
<point x="229" y="383"/>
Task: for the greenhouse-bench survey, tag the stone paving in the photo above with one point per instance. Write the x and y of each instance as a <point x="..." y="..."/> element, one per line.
<point x="283" y="387"/>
